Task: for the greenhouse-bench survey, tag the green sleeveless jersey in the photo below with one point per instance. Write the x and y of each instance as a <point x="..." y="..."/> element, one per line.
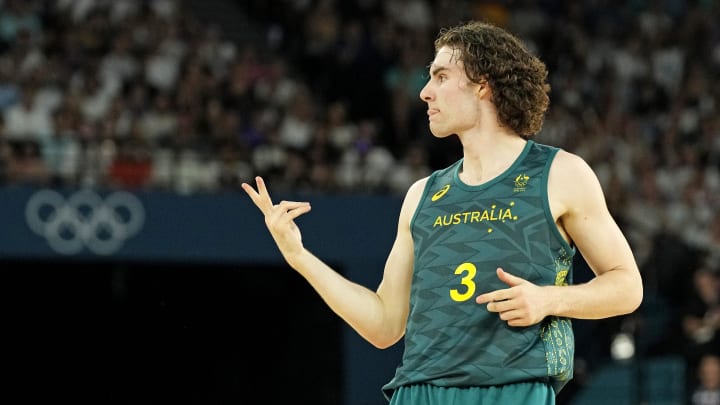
<point x="461" y="235"/>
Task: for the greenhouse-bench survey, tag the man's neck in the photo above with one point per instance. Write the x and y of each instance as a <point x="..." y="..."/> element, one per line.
<point x="487" y="155"/>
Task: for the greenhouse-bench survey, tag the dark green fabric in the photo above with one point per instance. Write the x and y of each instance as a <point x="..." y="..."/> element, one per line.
<point x="462" y="234"/>
<point x="527" y="393"/>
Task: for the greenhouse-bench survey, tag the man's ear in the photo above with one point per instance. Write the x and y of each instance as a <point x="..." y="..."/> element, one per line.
<point x="484" y="89"/>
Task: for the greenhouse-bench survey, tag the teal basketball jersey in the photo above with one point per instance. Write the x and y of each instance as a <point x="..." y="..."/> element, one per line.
<point x="461" y="235"/>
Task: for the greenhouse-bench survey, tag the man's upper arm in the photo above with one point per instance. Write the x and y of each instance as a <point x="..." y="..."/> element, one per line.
<point x="394" y="290"/>
<point x="585" y="216"/>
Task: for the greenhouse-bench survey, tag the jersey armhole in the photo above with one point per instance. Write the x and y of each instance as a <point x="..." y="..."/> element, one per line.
<point x="426" y="190"/>
<point x="546" y="201"/>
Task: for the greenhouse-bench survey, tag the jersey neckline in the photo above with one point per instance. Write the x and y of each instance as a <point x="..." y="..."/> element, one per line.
<point x="496" y="179"/>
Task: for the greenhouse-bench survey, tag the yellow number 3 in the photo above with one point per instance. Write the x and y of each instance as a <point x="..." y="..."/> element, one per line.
<point x="470" y="270"/>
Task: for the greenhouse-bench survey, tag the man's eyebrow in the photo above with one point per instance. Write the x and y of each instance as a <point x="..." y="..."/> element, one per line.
<point x="435" y="69"/>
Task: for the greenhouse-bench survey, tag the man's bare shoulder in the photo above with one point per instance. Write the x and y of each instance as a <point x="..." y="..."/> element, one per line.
<point x="573" y="182"/>
<point x="415" y="191"/>
<point x="412" y="197"/>
<point x="571" y="168"/>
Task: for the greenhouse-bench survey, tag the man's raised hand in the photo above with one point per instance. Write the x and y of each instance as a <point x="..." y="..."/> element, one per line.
<point x="279" y="218"/>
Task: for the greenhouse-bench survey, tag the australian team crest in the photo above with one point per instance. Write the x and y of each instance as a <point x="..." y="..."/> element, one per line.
<point x="521" y="181"/>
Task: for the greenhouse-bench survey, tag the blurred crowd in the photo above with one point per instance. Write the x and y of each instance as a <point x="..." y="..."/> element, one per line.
<point x="141" y="94"/>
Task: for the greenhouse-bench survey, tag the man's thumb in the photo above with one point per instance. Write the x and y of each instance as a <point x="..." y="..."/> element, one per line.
<point x="508" y="278"/>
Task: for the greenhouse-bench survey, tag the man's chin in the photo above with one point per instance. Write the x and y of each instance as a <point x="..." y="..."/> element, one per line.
<point x="440" y="134"/>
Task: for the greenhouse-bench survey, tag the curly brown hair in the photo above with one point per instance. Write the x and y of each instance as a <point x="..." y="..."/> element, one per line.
<point x="518" y="78"/>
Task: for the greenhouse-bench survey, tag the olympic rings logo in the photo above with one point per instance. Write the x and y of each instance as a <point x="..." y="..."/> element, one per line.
<point x="84" y="220"/>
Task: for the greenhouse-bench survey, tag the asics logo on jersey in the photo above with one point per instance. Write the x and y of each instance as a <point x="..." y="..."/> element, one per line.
<point x="440" y="193"/>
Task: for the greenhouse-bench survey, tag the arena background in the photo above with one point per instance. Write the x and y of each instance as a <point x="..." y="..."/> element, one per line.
<point x="121" y="285"/>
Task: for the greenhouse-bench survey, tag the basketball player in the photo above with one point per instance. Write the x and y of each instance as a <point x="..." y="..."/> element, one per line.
<point x="479" y="279"/>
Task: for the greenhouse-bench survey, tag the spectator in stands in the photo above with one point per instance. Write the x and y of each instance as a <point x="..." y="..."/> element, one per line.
<point x="701" y="316"/>
<point x="707" y="388"/>
<point x="27" y="166"/>
<point x="131" y="167"/>
<point x="18" y="17"/>
<point x="26" y="120"/>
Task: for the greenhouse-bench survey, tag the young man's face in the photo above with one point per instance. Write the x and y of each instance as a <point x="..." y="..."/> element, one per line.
<point x="451" y="97"/>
